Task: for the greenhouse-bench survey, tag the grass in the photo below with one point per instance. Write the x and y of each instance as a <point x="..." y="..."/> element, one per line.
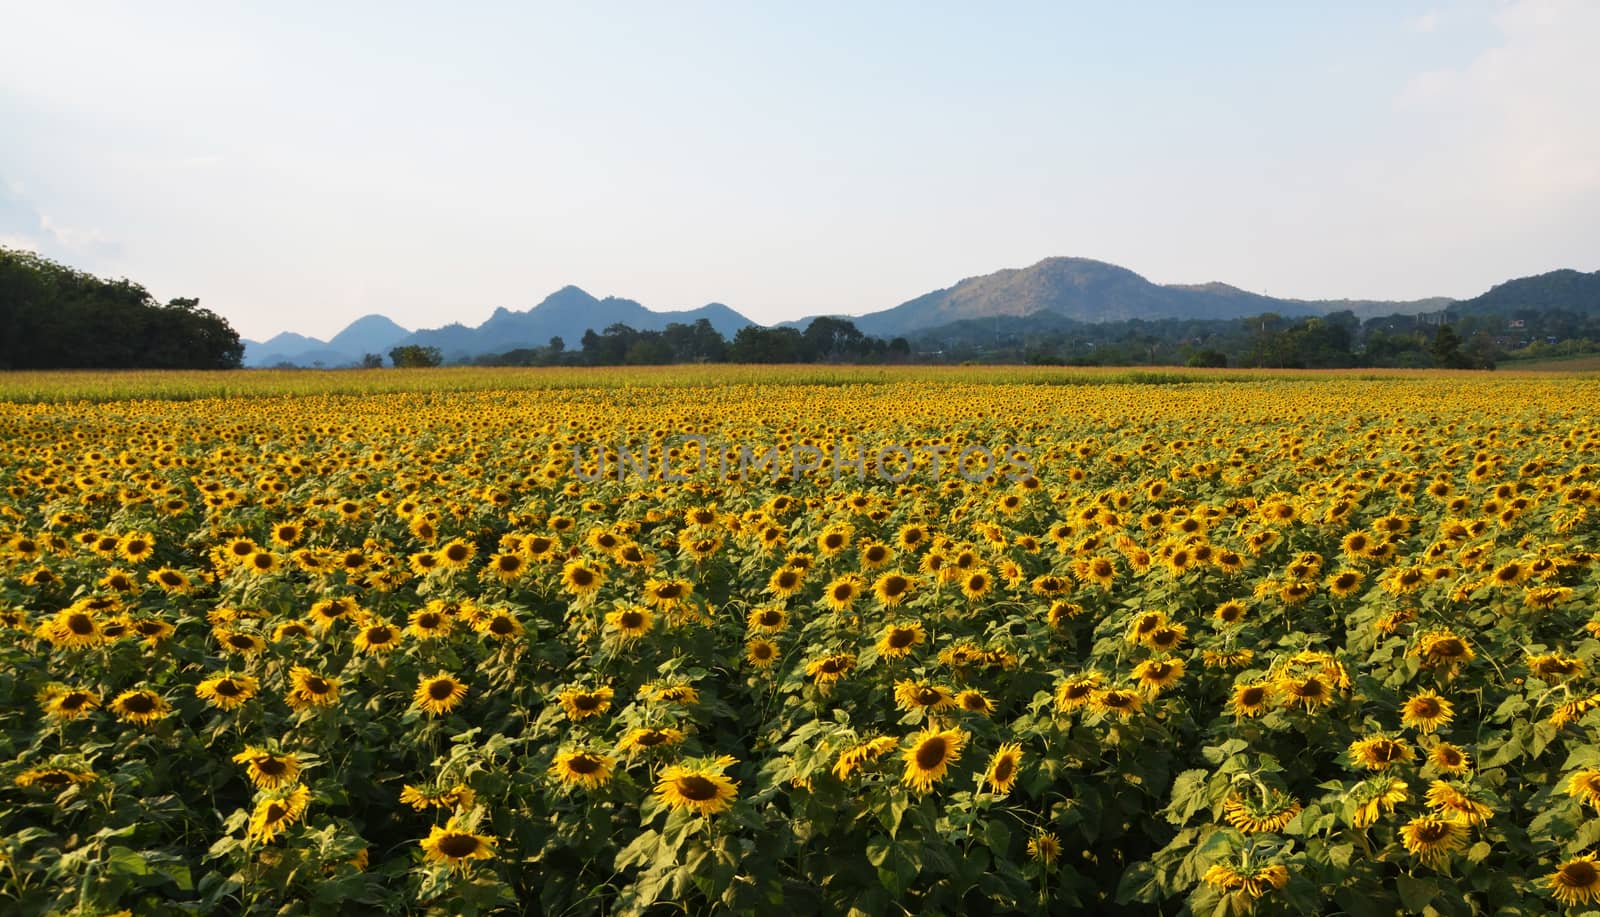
<point x="170" y="385"/>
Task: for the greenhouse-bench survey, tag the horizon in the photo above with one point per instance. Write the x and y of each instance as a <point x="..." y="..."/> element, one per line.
<point x="787" y="163"/>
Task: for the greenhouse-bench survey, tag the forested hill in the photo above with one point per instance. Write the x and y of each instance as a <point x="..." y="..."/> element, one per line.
<point x="55" y="317"/>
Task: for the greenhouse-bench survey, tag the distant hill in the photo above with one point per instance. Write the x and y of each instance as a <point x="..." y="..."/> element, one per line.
<point x="1050" y="295"/>
<point x="566" y="313"/>
<point x="1565" y="290"/>
<point x="1085" y="290"/>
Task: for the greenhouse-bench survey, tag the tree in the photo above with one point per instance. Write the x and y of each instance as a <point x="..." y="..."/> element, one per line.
<point x="415" y="355"/>
<point x="371" y="361"/>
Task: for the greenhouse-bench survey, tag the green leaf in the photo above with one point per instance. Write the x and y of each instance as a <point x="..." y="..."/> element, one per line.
<point x="1416" y="894"/>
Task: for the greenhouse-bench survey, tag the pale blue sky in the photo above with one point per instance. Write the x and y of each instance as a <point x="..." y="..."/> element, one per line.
<point x="297" y="165"/>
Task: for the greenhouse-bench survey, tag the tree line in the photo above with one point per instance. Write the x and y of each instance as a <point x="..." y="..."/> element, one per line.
<point x="824" y="340"/>
<point x="55" y="317"/>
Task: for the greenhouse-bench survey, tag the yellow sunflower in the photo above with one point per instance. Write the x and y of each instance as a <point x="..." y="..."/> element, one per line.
<point x="931" y="753"/>
<point x="1377" y="797"/>
<point x="1426" y="711"/>
<point x="1001" y="774"/>
<point x="861" y="754"/>
<point x="630" y="622"/>
<point x="1379" y="753"/>
<point x="274" y="814"/>
<point x="1577" y="881"/>
<point x="760" y="652"/>
<point x="582" y="704"/>
<point x="703" y="790"/>
<point x="587" y="769"/>
<point x="893" y="588"/>
<point x="829" y="669"/>
<point x="646" y="738"/>
<point x="227" y="692"/>
<point x="900" y="639"/>
<point x="308" y="689"/>
<point x="268" y="769"/>
<point x="1432" y="839"/>
<point x="139" y="706"/>
<point x="438" y="693"/>
<point x="1156" y="675"/>
<point x="456" y="847"/>
<point x="70" y="703"/>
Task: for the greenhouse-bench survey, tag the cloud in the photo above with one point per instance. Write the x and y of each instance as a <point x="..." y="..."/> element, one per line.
<point x="1427" y="22"/>
<point x="1515" y="120"/>
<point x="24" y="225"/>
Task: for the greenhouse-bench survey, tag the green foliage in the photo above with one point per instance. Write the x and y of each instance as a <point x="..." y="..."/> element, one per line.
<point x="59" y="318"/>
<point x="412" y="356"/>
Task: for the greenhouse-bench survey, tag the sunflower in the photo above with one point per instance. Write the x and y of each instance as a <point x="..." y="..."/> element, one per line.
<point x="458" y="796"/>
<point x="1443" y="649"/>
<point x="310" y="689"/>
<point x="976" y="584"/>
<point x="1077" y="691"/>
<point x="1427" y="711"/>
<point x="581" y="579"/>
<point x="786" y="581"/>
<point x="874" y="555"/>
<point x="861" y="754"/>
<point x="439" y="693"/>
<point x="1344" y="583"/>
<point x="916" y="695"/>
<point x="1377" y="797"/>
<point x="1144" y="625"/>
<point x="646" y="738"/>
<point x="899" y="639"/>
<point x="1229" y="612"/>
<point x="1156" y="675"/>
<point x="1432" y="839"/>
<point x="1459" y="804"/>
<point x="136" y="548"/>
<point x="892" y="588"/>
<point x="760" y="652"/>
<point x="829" y="669"/>
<point x="1311" y="691"/>
<point x="171" y="581"/>
<point x="587" y="769"/>
<point x="291" y="630"/>
<point x="1256" y="814"/>
<point x="274" y="814"/>
<point x="1001" y="774"/>
<point x="140" y="706"/>
<point x="1044" y="846"/>
<point x="702" y="790"/>
<point x="1585" y="785"/>
<point x="1450" y="759"/>
<point x="974" y="701"/>
<point x="1115" y="700"/>
<point x="673" y="694"/>
<point x="1251" y="698"/>
<point x="842" y="593"/>
<point x="455" y="847"/>
<point x="499" y="625"/>
<point x="227" y="692"/>
<point x="931" y="753"/>
<point x="630" y="621"/>
<point x="1379" y="753"/>
<point x="767" y="620"/>
<point x="53" y="778"/>
<point x="325" y="612"/>
<point x="1571" y="710"/>
<point x="1577" y="881"/>
<point x="429" y="623"/>
<point x="73" y="629"/>
<point x="667" y="594"/>
<point x="70" y="703"/>
<point x="378" y="637"/>
<point x="455" y="554"/>
<point x="1253" y="883"/>
<point x="581" y="704"/>
<point x="242" y="643"/>
<point x="507" y="567"/>
<point x="268" y="769"/>
<point x="1552" y="667"/>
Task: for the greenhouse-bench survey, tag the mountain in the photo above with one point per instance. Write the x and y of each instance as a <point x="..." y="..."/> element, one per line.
<point x="1085" y="290"/>
<point x="567" y="313"/>
<point x="1566" y="290"/>
<point x="368" y="334"/>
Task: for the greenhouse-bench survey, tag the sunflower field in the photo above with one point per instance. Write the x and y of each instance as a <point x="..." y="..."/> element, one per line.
<point x="965" y="644"/>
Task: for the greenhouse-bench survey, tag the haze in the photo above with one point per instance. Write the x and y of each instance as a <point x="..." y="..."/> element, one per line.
<point x="297" y="165"/>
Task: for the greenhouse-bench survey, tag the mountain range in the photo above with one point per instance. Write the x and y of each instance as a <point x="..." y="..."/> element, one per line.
<point x="1074" y="289"/>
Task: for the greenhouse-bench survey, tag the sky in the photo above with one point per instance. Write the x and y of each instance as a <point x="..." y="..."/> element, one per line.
<point x="298" y="165"/>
